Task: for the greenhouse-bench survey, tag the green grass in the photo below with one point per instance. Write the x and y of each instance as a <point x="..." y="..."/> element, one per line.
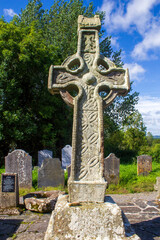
<point x="129" y="181"/>
<point x="2" y="170"/>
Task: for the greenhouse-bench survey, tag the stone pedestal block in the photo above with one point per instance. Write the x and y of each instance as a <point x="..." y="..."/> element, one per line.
<point x="86" y="191"/>
<point x="86" y="221"/>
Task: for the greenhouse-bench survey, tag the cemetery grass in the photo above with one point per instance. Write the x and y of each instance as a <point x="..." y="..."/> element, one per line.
<point x="131" y="183"/>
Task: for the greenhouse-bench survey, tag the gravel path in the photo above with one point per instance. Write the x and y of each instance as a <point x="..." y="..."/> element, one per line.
<point x="140" y="209"/>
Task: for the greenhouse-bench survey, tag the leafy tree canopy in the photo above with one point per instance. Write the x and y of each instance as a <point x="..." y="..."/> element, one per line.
<point x="31" y="118"/>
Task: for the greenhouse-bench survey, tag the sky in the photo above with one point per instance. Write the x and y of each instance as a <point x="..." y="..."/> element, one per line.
<point x="135" y="28"/>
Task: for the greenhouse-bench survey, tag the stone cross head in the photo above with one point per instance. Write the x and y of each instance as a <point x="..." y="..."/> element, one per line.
<point x="90" y="74"/>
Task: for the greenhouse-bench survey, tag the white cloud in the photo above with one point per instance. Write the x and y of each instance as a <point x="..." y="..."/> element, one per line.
<point x="9" y="12"/>
<point x="151" y="41"/>
<point x="136" y="71"/>
<point x="114" y="41"/>
<point x="149" y="107"/>
<point x="135" y="16"/>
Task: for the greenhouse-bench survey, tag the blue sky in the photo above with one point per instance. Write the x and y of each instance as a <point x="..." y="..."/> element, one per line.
<point x="135" y="28"/>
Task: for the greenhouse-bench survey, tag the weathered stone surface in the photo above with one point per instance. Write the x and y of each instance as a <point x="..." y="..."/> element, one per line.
<point x="10" y="211"/>
<point x="89" y="73"/>
<point x="157" y="188"/>
<point x="111" y="169"/>
<point x="88" y="221"/>
<point x="20" y="162"/>
<point x="51" y="174"/>
<point x="144" y="165"/>
<point x="43" y="154"/>
<point x="66" y="156"/>
<point x="9" y="192"/>
<point x="41" y="201"/>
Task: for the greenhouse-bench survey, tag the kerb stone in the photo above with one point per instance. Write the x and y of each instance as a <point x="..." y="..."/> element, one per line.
<point x="86" y="221"/>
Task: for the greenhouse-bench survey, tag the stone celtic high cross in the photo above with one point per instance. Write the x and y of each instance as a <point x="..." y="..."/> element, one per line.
<point x="89" y="73"/>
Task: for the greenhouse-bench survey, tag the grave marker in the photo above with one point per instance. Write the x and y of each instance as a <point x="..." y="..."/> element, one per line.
<point x="144" y="165"/>
<point x="20" y="162"/>
<point x="43" y="154"/>
<point x="111" y="169"/>
<point x="9" y="195"/>
<point x="66" y="156"/>
<point x="50" y="174"/>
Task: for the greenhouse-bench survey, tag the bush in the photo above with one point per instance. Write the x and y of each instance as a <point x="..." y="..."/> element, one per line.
<point x="155" y="152"/>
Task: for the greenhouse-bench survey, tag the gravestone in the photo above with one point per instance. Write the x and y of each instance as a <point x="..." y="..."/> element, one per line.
<point x="157" y="188"/>
<point x="144" y="165"/>
<point x="86" y="213"/>
<point x="20" y="162"/>
<point x="9" y="194"/>
<point x="50" y="174"/>
<point x="43" y="154"/>
<point x="111" y="169"/>
<point x="66" y="156"/>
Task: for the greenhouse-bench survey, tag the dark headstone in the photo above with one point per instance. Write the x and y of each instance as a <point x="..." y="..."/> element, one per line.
<point x="20" y="162"/>
<point x="111" y="169"/>
<point x="50" y="174"/>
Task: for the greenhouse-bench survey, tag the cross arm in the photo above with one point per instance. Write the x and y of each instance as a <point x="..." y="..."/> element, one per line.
<point x="115" y="81"/>
<point x="61" y="81"/>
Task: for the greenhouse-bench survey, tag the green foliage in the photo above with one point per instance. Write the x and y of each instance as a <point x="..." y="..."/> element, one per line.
<point x="155" y="152"/>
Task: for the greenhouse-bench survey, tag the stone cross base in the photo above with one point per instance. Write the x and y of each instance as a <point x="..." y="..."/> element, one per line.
<point x="86" y="191"/>
<point x="86" y="221"/>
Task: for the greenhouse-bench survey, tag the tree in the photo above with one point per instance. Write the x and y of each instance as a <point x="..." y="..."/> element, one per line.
<point x="135" y="132"/>
<point x="31" y="118"/>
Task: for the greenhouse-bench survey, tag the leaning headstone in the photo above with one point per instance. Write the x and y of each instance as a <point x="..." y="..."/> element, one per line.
<point x="111" y="169"/>
<point x="88" y="215"/>
<point x="9" y="194"/>
<point x="43" y="154"/>
<point x="157" y="188"/>
<point x="50" y="174"/>
<point x="20" y="162"/>
<point x="66" y="156"/>
<point x="144" y="165"/>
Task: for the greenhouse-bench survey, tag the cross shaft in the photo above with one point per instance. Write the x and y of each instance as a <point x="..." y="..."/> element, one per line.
<point x="89" y="73"/>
